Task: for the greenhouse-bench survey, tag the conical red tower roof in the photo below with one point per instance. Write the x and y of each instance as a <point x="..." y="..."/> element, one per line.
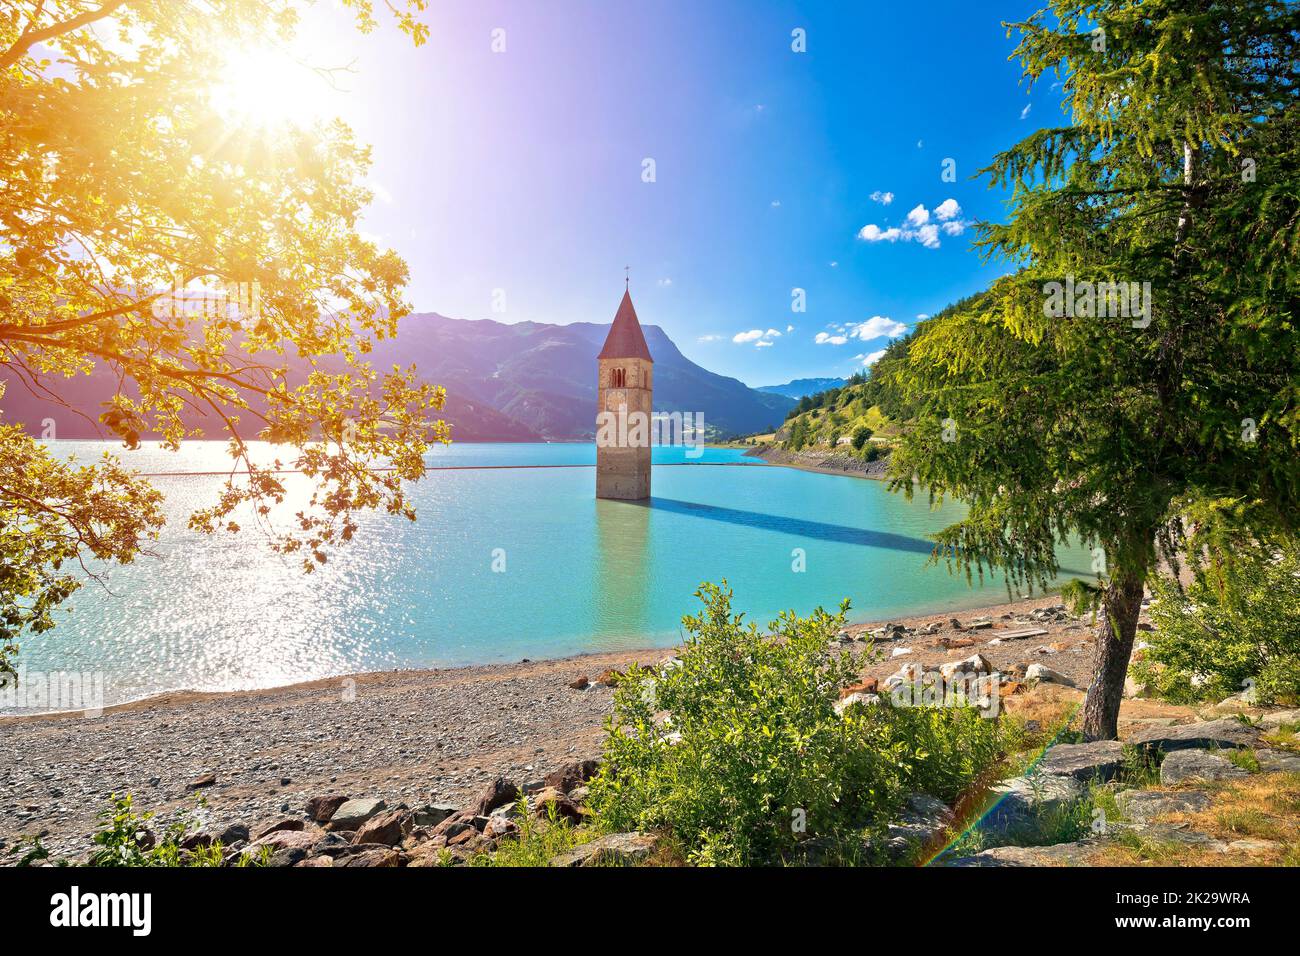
<point x="625" y="338"/>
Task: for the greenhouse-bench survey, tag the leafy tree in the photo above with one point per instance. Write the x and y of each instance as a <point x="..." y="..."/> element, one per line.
<point x="861" y="435"/>
<point x="1177" y="164"/>
<point x="122" y="183"/>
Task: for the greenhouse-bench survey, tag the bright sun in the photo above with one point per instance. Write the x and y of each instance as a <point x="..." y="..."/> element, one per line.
<point x="268" y="88"/>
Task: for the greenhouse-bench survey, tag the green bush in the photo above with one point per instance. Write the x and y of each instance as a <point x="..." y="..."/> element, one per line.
<point x="1237" y="628"/>
<point x="124" y="839"/>
<point x="739" y="753"/>
<point x="861" y="435"/>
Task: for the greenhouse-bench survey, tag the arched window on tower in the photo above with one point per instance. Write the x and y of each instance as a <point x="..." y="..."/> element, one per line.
<point x="618" y="378"/>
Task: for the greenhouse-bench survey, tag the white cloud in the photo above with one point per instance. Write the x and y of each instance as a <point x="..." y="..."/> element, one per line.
<point x="872" y="358"/>
<point x="776" y="203"/>
<point x="884" y="198"/>
<point x="873" y="233"/>
<point x="760" y="338"/>
<point x="835" y="264"/>
<point x="665" y="282"/>
<point x="921" y="316"/>
<point x="825" y="338"/>
<point x="878" y="326"/>
<point x="789" y="328"/>
<point x="709" y="338"/>
<point x="1025" y="111"/>
<point x="918" y="227"/>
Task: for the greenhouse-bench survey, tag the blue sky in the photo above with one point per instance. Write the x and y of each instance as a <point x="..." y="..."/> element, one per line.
<point x="512" y="182"/>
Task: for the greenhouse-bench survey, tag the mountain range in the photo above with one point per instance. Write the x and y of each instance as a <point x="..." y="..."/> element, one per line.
<point x="528" y="381"/>
<point x="801" y="387"/>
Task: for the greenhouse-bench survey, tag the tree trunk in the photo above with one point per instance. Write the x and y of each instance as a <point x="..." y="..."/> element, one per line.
<point x="1116" y="629"/>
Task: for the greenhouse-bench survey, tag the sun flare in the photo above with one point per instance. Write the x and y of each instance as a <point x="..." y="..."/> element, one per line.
<point x="268" y="88"/>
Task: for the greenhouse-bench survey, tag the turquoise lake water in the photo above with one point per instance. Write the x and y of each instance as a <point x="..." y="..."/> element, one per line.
<point x="581" y="575"/>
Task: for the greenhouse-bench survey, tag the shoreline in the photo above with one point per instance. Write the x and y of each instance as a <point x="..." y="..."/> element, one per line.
<point x="435" y="736"/>
<point x="822" y="462"/>
<point x="183" y="695"/>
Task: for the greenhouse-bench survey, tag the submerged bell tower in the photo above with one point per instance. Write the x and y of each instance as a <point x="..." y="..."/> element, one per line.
<point x="624" y="389"/>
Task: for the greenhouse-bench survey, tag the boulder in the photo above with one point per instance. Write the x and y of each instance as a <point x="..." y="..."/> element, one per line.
<point x="1226" y="732"/>
<point x="570" y="775"/>
<point x="1100" y="760"/>
<point x="388" y="828"/>
<point x="1278" y="761"/>
<point x="544" y="801"/>
<point x="291" y="823"/>
<point x="331" y="844"/>
<point x="204" y="780"/>
<point x="1061" y="854"/>
<point x="868" y="686"/>
<point x="866" y="700"/>
<point x="1022" y="799"/>
<point x="498" y="792"/>
<point x="287" y="846"/>
<point x="1280" y="718"/>
<point x="321" y="808"/>
<point x="1143" y="806"/>
<point x="379" y="856"/>
<point x="353" y="813"/>
<point x="923" y="818"/>
<point x="226" y="836"/>
<point x="1045" y="674"/>
<point x="580" y="684"/>
<point x="1184" y="765"/>
<point x="430" y="815"/>
<point x="975" y="664"/>
<point x="614" y="849"/>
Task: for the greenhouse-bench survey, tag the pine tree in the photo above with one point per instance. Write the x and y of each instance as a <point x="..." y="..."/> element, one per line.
<point x="1177" y="166"/>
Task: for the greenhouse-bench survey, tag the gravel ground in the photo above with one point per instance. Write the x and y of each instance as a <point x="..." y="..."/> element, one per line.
<point x="418" y="737"/>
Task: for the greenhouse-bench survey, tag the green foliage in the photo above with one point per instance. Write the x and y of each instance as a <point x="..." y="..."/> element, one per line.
<point x="861" y="435"/>
<point x="538" y="840"/>
<point x="751" y="743"/>
<point x="124" y="839"/>
<point x="123" y="183"/>
<point x="1236" y="628"/>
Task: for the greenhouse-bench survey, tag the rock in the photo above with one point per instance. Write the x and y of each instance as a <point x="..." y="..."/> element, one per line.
<point x="924" y="817"/>
<point x="290" y="824"/>
<point x="500" y="825"/>
<point x="1041" y="672"/>
<point x="206" y="780"/>
<point x="975" y="664"/>
<point x="909" y="674"/>
<point x="609" y="677"/>
<point x="545" y="801"/>
<point x="1132" y="688"/>
<point x="615" y="849"/>
<point x="1278" y="761"/>
<point x="430" y="815"/>
<point x="1280" y="718"/>
<point x="1227" y="732"/>
<point x="1196" y="765"/>
<point x="381" y="856"/>
<point x="1061" y="854"/>
<point x="571" y="775"/>
<point x="287" y="846"/>
<point x="353" y="813"/>
<point x="866" y="700"/>
<point x="580" y="684"/>
<point x="388" y="828"/>
<point x="331" y="844"/>
<point x="1021" y="799"/>
<point x="868" y="686"/>
<point x="313" y="861"/>
<point x="899" y="651"/>
<point x="227" y="836"/>
<point x="1100" y="760"/>
<point x="956" y="643"/>
<point x="579" y="794"/>
<point x="322" y="808"/>
<point x="980" y="623"/>
<point x="454" y="825"/>
<point x="1143" y="806"/>
<point x="498" y="792"/>
<point x="1179" y="833"/>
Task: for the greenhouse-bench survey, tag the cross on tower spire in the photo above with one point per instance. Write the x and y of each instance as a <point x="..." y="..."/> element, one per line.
<point x="627" y="277"/>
